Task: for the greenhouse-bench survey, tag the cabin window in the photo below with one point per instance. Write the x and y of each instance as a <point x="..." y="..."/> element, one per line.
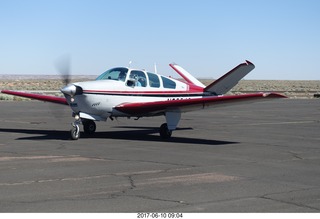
<point x="167" y="83"/>
<point x="139" y="78"/>
<point x="118" y="74"/>
<point x="153" y="80"/>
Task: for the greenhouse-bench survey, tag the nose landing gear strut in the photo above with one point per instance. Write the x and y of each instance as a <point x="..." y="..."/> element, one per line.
<point x="75" y="131"/>
<point x="89" y="127"/>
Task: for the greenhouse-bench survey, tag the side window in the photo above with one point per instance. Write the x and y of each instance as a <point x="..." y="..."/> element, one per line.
<point x="139" y="77"/>
<point x="167" y="83"/>
<point x="153" y="80"/>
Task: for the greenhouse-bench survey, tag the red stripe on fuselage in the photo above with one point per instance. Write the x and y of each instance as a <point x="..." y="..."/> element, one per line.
<point x="155" y="93"/>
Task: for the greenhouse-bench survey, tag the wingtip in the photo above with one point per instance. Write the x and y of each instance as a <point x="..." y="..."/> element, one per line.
<point x="249" y="63"/>
<point x="5" y="91"/>
<point x="172" y="64"/>
<point x="274" y="95"/>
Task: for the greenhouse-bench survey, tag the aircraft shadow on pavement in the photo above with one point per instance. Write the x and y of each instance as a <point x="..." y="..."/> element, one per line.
<point x="39" y="134"/>
<point x="135" y="134"/>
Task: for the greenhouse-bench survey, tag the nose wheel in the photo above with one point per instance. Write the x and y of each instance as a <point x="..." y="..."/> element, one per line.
<point x="75" y="131"/>
<point x="89" y="127"/>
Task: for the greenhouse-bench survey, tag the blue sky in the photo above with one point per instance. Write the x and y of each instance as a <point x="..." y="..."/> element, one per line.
<point x="207" y="38"/>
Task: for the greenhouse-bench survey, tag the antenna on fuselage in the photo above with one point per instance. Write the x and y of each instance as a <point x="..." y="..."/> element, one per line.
<point x="155" y="68"/>
<point x="129" y="64"/>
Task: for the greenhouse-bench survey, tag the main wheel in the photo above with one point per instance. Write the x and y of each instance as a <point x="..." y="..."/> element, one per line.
<point x="75" y="133"/>
<point x="164" y="131"/>
<point x="89" y="126"/>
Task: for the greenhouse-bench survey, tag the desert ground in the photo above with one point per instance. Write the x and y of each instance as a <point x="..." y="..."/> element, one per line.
<point x="50" y="84"/>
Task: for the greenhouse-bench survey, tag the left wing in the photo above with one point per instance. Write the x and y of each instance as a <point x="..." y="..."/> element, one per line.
<point x="185" y="105"/>
<point x="47" y="98"/>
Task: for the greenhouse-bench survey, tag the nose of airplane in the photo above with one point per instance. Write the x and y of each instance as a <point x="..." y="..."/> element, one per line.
<point x="71" y="90"/>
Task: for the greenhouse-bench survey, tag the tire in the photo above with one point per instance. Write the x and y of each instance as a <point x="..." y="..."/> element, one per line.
<point x="89" y="127"/>
<point x="75" y="133"/>
<point x="165" y="133"/>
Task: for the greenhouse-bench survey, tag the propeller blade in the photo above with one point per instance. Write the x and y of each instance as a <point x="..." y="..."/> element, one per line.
<point x="63" y="65"/>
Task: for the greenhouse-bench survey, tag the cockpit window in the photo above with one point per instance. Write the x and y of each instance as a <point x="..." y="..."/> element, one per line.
<point x="118" y="74"/>
<point x="167" y="83"/>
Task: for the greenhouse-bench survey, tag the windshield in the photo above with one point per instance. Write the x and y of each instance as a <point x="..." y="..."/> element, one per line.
<point x="118" y="74"/>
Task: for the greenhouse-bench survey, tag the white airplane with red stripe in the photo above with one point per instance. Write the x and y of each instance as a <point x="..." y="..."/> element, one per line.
<point x="127" y="92"/>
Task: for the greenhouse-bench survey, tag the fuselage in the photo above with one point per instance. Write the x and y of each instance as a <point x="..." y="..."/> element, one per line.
<point x="125" y="85"/>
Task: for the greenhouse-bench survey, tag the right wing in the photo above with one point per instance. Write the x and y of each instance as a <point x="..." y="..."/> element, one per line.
<point x="46" y="98"/>
<point x="159" y="107"/>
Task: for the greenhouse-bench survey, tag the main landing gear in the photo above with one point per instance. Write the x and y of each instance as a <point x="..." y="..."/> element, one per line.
<point x="165" y="133"/>
<point x="89" y="127"/>
<point x="172" y="120"/>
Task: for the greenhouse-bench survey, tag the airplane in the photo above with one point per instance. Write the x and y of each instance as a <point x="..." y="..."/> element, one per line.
<point x="129" y="92"/>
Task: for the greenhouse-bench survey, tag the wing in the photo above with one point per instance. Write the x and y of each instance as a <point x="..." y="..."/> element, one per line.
<point x="185" y="105"/>
<point x="47" y="98"/>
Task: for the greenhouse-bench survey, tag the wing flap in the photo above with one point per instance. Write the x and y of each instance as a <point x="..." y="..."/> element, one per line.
<point x="185" y="105"/>
<point x="46" y="98"/>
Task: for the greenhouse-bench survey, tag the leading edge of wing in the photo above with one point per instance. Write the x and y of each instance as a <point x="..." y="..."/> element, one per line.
<point x="46" y="98"/>
<point x="184" y="105"/>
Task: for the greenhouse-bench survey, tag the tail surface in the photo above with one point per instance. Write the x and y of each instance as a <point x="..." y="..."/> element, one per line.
<point x="230" y="79"/>
<point x="186" y="75"/>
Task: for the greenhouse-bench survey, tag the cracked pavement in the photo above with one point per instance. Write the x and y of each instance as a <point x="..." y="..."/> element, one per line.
<point x="262" y="157"/>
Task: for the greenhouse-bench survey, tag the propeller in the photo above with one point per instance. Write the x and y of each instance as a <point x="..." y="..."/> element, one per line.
<point x="63" y="65"/>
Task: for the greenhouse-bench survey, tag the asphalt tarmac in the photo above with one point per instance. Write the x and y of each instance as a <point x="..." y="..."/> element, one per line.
<point x="262" y="157"/>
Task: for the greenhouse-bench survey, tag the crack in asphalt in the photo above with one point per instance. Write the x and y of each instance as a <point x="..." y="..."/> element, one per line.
<point x="265" y="196"/>
<point x="295" y="155"/>
<point x="291" y="203"/>
<point x="160" y="199"/>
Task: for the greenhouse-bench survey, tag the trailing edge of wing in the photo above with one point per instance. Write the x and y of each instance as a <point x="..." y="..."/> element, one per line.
<point x="149" y="108"/>
<point x="47" y="98"/>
